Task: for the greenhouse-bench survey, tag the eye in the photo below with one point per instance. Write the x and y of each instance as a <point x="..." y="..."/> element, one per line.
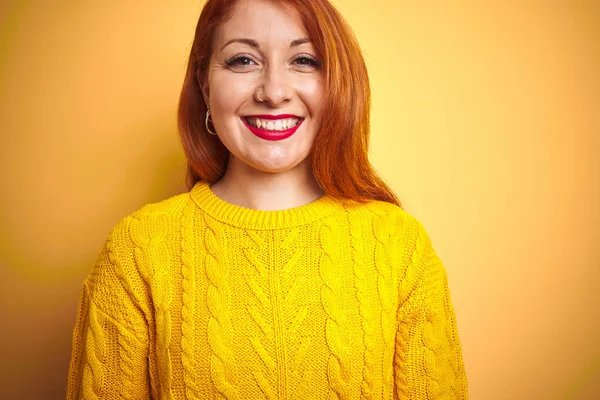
<point x="306" y="60"/>
<point x="239" y="61"/>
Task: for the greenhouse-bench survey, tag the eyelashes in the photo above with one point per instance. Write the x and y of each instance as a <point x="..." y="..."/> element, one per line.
<point x="235" y="61"/>
<point x="242" y="61"/>
<point x="310" y="59"/>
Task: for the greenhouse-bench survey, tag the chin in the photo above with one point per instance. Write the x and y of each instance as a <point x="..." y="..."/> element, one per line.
<point x="275" y="166"/>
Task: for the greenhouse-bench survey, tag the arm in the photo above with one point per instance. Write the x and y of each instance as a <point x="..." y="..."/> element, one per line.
<point x="428" y="360"/>
<point x="110" y="343"/>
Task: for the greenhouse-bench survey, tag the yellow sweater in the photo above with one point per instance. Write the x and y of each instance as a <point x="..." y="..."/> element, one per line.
<point x="197" y="298"/>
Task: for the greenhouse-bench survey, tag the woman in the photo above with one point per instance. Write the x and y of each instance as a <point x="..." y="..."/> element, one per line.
<point x="289" y="270"/>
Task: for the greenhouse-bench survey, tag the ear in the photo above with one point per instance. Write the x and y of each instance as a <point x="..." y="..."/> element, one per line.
<point x="202" y="78"/>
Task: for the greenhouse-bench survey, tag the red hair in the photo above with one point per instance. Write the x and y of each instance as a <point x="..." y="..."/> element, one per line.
<point x="339" y="155"/>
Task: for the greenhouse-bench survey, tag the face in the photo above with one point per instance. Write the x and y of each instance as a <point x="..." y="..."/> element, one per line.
<point x="275" y="57"/>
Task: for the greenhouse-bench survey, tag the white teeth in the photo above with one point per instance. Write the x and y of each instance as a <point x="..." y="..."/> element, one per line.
<point x="277" y="125"/>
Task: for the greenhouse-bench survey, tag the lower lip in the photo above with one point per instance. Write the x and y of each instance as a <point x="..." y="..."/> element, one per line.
<point x="272" y="135"/>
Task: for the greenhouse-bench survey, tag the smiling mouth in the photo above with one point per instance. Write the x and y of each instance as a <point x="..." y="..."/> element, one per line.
<point x="275" y="125"/>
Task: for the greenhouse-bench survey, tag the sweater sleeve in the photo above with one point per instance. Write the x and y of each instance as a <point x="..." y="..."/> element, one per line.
<point x="428" y="360"/>
<point x="110" y="342"/>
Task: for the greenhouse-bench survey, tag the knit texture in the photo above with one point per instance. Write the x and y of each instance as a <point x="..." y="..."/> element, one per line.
<point x="197" y="298"/>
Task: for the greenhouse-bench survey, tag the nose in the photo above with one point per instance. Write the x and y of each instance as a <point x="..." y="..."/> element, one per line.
<point x="276" y="86"/>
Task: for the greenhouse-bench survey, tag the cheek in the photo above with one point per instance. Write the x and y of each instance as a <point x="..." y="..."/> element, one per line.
<point x="311" y="92"/>
<point x="228" y="92"/>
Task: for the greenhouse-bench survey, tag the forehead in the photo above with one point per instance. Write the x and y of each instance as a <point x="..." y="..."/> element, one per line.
<point x="270" y="22"/>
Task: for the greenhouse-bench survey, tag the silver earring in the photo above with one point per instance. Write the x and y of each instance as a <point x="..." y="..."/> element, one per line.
<point x="206" y="122"/>
<point x="258" y="97"/>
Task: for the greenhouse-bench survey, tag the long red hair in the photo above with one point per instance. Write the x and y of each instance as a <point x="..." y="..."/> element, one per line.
<point x="339" y="155"/>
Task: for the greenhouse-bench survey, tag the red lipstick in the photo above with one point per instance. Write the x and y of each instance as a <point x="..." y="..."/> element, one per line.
<point x="272" y="135"/>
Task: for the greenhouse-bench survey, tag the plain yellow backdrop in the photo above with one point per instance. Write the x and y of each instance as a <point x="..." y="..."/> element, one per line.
<point x="486" y="122"/>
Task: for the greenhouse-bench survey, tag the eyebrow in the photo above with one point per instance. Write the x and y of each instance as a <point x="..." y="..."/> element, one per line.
<point x="256" y="45"/>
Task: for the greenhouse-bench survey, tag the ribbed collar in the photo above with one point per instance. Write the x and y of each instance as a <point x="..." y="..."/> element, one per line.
<point x="249" y="218"/>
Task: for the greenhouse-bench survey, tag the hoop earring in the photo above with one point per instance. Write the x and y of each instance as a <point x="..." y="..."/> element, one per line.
<point x="206" y="122"/>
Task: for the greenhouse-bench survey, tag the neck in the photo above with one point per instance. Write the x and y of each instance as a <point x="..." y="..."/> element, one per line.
<point x="269" y="191"/>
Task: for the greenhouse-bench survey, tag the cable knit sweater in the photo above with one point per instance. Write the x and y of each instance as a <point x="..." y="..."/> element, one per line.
<point x="197" y="298"/>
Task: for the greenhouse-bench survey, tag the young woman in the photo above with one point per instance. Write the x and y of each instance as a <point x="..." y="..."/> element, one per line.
<point x="289" y="270"/>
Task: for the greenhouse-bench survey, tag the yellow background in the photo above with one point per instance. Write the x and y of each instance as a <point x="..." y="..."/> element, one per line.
<point x="486" y="121"/>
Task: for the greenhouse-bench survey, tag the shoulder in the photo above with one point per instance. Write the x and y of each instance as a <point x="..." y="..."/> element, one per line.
<point x="150" y="220"/>
<point x="398" y="231"/>
<point x="387" y="217"/>
<point x="170" y="207"/>
<point x="144" y="243"/>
